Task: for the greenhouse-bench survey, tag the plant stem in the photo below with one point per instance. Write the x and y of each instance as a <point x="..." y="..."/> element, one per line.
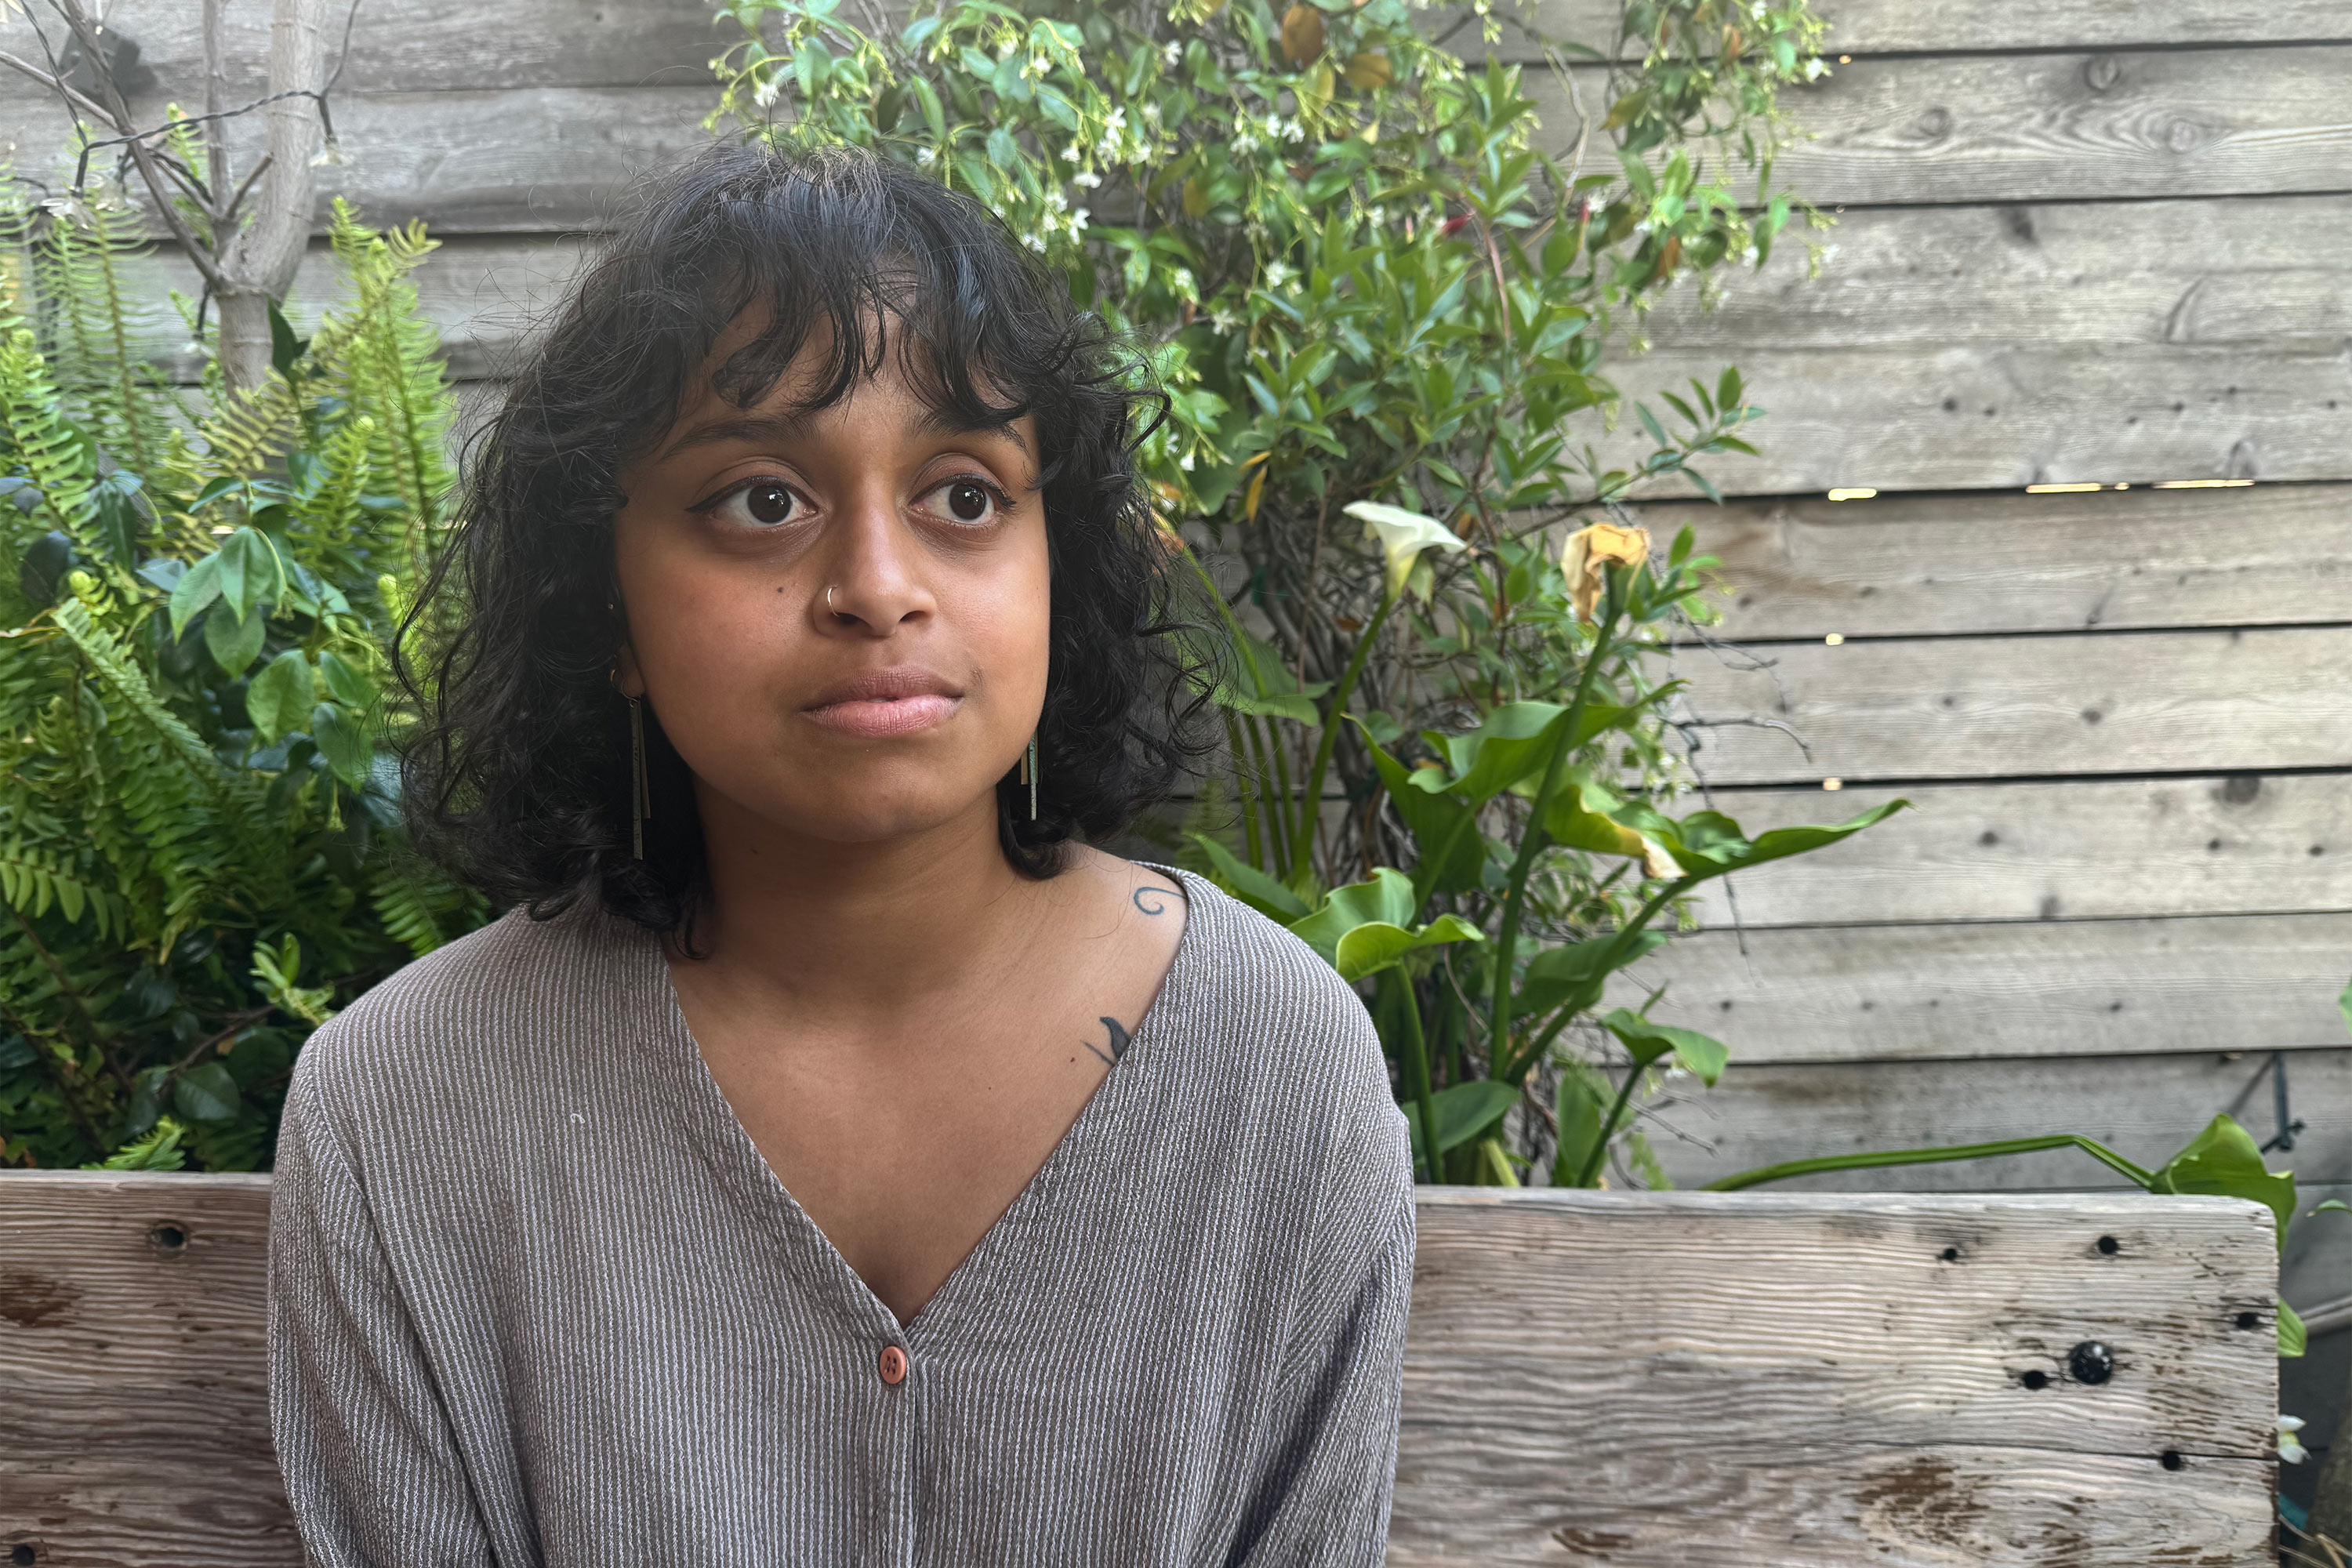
<point x="1311" y="801"/>
<point x="1532" y="845"/>
<point x="1600" y="1150"/>
<point x="1417" y="1060"/>
<point x="1781" y="1173"/>
<point x="1248" y="802"/>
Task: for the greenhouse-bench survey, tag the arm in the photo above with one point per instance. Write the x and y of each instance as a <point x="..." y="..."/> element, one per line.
<point x="1324" y="1500"/>
<point x="371" y="1466"/>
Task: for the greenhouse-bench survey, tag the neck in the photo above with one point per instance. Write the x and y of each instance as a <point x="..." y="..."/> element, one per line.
<point x="857" y="927"/>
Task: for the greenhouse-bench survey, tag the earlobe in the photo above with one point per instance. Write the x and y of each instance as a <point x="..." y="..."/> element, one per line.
<point x="627" y="678"/>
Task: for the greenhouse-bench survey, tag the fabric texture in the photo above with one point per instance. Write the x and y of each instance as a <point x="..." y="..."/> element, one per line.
<point x="537" y="1299"/>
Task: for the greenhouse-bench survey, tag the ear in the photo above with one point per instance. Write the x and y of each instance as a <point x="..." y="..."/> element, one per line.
<point x="627" y="678"/>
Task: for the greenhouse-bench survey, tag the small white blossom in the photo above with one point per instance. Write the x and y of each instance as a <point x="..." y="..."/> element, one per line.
<point x="1172" y="52"/>
<point x="925" y="156"/>
<point x="2291" y="1451"/>
<point x="764" y="95"/>
<point x="1185" y="462"/>
<point x="1077" y="222"/>
<point x="1278" y="273"/>
<point x="1087" y="180"/>
<point x="1034" y="243"/>
<point x="1813" y="68"/>
<point x="1070" y="154"/>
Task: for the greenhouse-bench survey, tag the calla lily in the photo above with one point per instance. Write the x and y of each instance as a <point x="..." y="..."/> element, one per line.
<point x="1589" y="553"/>
<point x="1403" y="535"/>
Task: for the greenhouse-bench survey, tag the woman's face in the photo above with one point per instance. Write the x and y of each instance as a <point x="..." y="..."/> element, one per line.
<point x="840" y="618"/>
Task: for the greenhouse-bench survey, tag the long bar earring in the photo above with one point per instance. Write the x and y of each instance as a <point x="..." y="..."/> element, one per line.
<point x="641" y="794"/>
<point x="1029" y="775"/>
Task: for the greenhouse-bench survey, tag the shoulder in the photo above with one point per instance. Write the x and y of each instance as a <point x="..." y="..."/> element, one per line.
<point x="488" y="1003"/>
<point x="1280" y="1023"/>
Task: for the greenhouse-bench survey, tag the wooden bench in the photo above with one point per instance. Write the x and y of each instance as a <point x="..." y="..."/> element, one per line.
<point x="1750" y="1381"/>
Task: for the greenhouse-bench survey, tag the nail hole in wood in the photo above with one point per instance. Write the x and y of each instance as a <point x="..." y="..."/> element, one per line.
<point x="2249" y="1319"/>
<point x="2109" y="1246"/>
<point x="2172" y="1461"/>
<point x="2035" y="1380"/>
<point x="164" y="1238"/>
<point x="22" y="1556"/>
<point x="1951" y="1255"/>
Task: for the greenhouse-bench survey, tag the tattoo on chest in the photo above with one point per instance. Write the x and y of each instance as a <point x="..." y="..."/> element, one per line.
<point x="1159" y="896"/>
<point x="1119" y="1041"/>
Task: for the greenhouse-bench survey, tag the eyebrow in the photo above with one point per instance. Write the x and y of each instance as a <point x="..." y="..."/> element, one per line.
<point x="793" y="423"/>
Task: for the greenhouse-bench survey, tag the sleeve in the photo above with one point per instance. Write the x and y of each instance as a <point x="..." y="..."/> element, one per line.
<point x="371" y="1465"/>
<point x="1325" y="1500"/>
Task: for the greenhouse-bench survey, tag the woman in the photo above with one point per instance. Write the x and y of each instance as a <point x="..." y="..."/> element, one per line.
<point x="830" y="1159"/>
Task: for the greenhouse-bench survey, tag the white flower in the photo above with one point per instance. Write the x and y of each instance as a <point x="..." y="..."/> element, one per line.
<point x="1070" y="154"/>
<point x="1403" y="535"/>
<point x="1185" y="462"/>
<point x="2291" y="1451"/>
<point x="1077" y="222"/>
<point x="1172" y="52"/>
<point x="1085" y="180"/>
<point x="925" y="156"/>
<point x="1034" y="243"/>
<point x="1278" y="273"/>
<point x="764" y="95"/>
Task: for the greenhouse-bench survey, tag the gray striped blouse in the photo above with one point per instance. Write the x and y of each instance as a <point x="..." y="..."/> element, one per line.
<point x="536" y="1298"/>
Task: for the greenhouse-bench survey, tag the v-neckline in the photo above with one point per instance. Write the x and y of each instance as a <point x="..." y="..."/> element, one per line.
<point x="718" y="1134"/>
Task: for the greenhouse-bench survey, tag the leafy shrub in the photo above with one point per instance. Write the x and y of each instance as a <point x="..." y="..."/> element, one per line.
<point x="200" y="853"/>
<point x="1383" y="300"/>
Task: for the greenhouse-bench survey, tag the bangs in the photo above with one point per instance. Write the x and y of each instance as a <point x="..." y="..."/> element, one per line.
<point x="858" y="261"/>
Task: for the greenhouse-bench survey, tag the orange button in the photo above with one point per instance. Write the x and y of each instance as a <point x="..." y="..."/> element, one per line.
<point x="894" y="1365"/>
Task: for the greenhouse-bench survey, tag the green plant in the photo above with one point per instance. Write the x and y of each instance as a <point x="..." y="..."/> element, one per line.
<point x="200" y="856"/>
<point x="1380" y="299"/>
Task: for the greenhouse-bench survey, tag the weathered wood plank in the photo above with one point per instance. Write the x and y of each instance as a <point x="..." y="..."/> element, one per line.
<point x="443" y="44"/>
<point x="1954" y="708"/>
<point x="2146" y="1107"/>
<point x="2053" y="126"/>
<point x="1973" y="418"/>
<point x="1563" y="1348"/>
<point x="2051" y="988"/>
<point x="2258" y="270"/>
<point x="1915" y="566"/>
<point x="1832" y="1390"/>
<point x="2078" y="849"/>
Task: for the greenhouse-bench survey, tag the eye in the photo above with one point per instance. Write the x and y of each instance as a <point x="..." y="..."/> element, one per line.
<point x="967" y="500"/>
<point x="757" y="504"/>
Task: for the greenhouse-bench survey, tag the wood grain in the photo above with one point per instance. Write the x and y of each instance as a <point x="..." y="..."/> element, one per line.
<point x="1915" y="566"/>
<point x="2075" y="848"/>
<point x="1809" y="1388"/>
<point x="1954" y="708"/>
<point x="2146" y="1107"/>
<point x="1805" y="1376"/>
<point x="2053" y="988"/>
<point x="2052" y="126"/>
<point x="1865" y="27"/>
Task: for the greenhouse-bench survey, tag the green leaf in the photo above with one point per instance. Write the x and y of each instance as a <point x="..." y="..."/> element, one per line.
<point x="1435" y="821"/>
<point x="346" y="685"/>
<point x="342" y="742"/>
<point x="1578" y="817"/>
<point x="1372" y="947"/>
<point x="233" y="644"/>
<point x="1262" y="683"/>
<point x="1463" y="1111"/>
<point x="1581" y="1115"/>
<point x="279" y="698"/>
<point x="285" y="348"/>
<point x="2293" y="1337"/>
<point x="205" y="1093"/>
<point x="1705" y="1057"/>
<point x="1709" y="843"/>
<point x="198" y="586"/>
<point x="2224" y="1161"/>
<point x="1365" y="927"/>
<point x="1575" y="974"/>
<point x="1250" y="885"/>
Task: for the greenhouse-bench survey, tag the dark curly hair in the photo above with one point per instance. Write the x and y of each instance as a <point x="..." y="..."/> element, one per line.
<point x="517" y="775"/>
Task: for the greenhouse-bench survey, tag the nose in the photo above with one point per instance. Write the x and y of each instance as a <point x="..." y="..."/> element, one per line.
<point x="873" y="580"/>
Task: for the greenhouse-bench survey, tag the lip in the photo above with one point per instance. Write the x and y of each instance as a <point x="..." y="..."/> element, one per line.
<point x="883" y="702"/>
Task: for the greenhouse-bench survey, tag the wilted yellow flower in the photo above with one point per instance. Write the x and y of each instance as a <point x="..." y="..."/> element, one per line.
<point x="1589" y="553"/>
<point x="1302" y="34"/>
<point x="1369" y="70"/>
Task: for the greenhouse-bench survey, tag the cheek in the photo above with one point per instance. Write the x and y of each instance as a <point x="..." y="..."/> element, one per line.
<point x="704" y="636"/>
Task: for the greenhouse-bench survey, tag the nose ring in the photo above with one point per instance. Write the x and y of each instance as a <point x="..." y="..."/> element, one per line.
<point x="828" y="601"/>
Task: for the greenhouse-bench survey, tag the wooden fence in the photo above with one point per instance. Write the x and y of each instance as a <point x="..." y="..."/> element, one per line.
<point x="1640" y="1380"/>
<point x="2076" y="242"/>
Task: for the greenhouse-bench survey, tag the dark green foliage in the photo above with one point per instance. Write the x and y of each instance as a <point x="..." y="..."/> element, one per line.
<point x="200" y="850"/>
